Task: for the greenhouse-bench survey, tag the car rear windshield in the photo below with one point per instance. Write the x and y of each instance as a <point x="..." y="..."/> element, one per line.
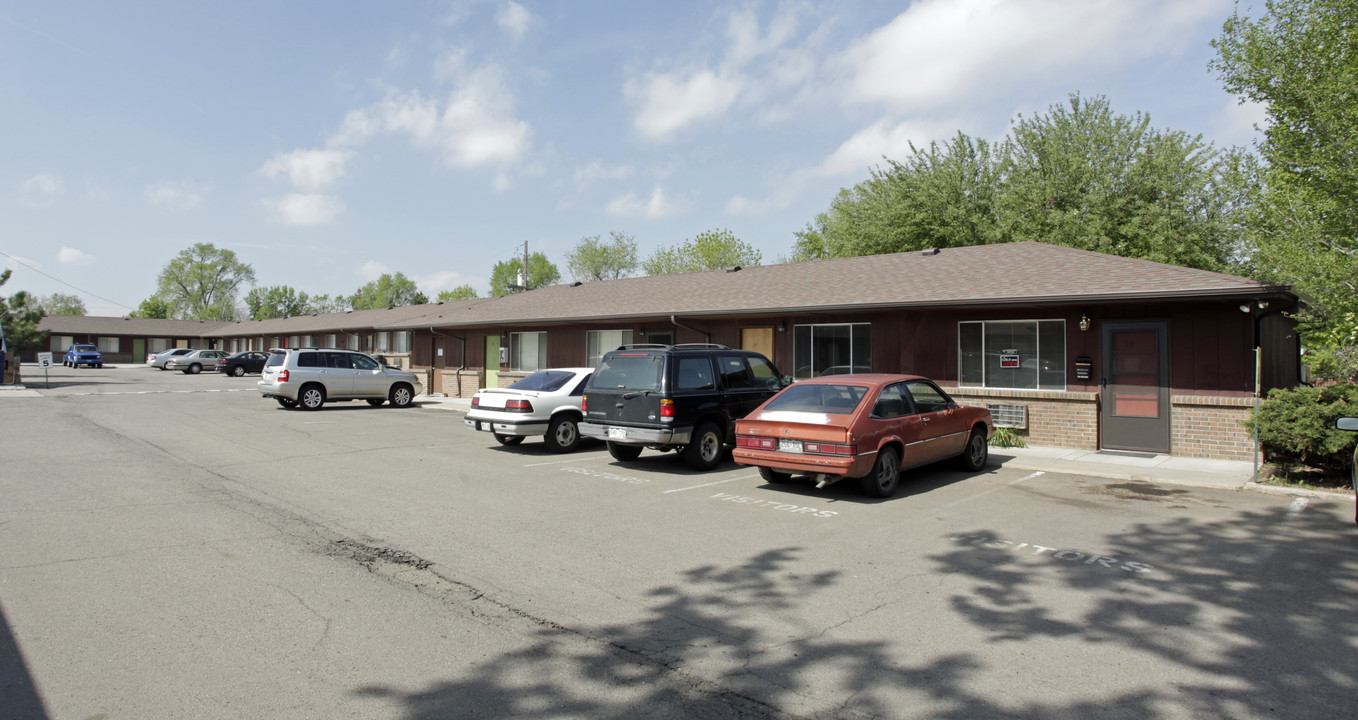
<point x="276" y="359"/>
<point x="830" y="399"/>
<point x="544" y="381"/>
<point x="82" y="348"/>
<point x="629" y="371"/>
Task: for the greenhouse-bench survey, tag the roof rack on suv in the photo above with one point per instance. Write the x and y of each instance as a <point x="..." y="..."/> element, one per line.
<point x="680" y="346"/>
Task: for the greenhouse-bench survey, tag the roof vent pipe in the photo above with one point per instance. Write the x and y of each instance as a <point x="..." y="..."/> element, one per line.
<point x="733" y="269"/>
<point x="929" y="251"/>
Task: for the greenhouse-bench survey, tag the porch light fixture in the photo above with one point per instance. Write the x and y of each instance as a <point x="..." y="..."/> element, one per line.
<point x="782" y="327"/>
<point x="1084" y="323"/>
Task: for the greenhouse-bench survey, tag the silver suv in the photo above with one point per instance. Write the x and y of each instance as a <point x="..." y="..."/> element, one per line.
<point x="308" y="377"/>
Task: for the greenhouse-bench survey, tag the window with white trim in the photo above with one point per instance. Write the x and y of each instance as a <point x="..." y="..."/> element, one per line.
<point x="527" y="351"/>
<point x="400" y="342"/>
<point x="1019" y="354"/>
<point x="831" y="349"/>
<point x="108" y="344"/>
<point x="598" y="342"/>
<point x="60" y="343"/>
<point x="382" y="342"/>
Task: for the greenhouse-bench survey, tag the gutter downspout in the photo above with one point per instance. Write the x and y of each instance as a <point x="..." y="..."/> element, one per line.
<point x="704" y="333"/>
<point x="1258" y="369"/>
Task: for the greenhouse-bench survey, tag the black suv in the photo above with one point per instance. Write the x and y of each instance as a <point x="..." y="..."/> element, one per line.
<point x="675" y="397"/>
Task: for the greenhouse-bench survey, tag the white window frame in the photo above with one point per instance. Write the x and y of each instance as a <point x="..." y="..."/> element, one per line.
<point x="108" y="343"/>
<point x="966" y="376"/>
<point x="598" y="342"/>
<point x="400" y="342"/>
<point x="809" y="364"/>
<point x="518" y="342"/>
<point x="60" y="343"/>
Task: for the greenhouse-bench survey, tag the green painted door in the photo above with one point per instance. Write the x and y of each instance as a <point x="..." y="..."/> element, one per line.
<point x="138" y="350"/>
<point x="492" y="361"/>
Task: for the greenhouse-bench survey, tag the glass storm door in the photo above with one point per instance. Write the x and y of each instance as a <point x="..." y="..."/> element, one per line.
<point x="1135" y="404"/>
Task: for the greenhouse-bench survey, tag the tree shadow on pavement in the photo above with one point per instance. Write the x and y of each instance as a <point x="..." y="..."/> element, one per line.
<point x="1247" y="617"/>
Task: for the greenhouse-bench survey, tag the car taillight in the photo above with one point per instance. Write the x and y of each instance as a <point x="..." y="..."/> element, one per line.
<point x="282" y="376"/>
<point x="830" y="448"/>
<point x="666" y="408"/>
<point x="584" y="403"/>
<point x="756" y="443"/>
<point x="519" y="406"/>
<point x="476" y="401"/>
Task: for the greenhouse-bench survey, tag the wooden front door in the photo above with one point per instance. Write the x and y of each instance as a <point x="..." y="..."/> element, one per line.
<point x="492" y="361"/>
<point x="1135" y="408"/>
<point x="759" y="340"/>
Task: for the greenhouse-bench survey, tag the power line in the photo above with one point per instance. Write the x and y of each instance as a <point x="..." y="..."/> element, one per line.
<point x="63" y="282"/>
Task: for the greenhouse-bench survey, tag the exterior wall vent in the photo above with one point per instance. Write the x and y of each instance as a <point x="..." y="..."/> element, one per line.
<point x="1009" y="416"/>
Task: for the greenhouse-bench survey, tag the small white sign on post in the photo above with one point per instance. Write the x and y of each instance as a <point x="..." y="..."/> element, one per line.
<point x="44" y="360"/>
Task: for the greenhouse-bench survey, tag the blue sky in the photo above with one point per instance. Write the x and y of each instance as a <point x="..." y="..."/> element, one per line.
<point x="328" y="142"/>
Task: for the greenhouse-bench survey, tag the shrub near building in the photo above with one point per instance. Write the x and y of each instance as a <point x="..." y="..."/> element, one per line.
<point x="1296" y="426"/>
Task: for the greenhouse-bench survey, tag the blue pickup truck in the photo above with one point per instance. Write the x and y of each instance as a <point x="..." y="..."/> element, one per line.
<point x="78" y="355"/>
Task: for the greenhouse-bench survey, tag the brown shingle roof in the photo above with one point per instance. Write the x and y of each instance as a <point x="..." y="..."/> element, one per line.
<point x="150" y="327"/>
<point x="1003" y="274"/>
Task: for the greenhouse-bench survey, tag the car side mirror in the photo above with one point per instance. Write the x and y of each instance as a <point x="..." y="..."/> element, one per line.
<point x="1346" y="423"/>
<point x="786" y="380"/>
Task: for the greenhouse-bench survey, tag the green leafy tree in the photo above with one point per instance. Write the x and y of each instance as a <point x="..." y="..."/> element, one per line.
<point x="59" y="304"/>
<point x="387" y="291"/>
<point x="152" y="307"/>
<point x="711" y="250"/>
<point x="1299" y="59"/>
<point x="276" y="301"/>
<point x="461" y="292"/>
<point x="596" y="259"/>
<point x="20" y="315"/>
<point x="324" y="305"/>
<point x="541" y="272"/>
<point x="1079" y="175"/>
<point x="202" y="282"/>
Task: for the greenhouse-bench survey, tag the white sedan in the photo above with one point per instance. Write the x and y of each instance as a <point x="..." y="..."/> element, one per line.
<point x="545" y="403"/>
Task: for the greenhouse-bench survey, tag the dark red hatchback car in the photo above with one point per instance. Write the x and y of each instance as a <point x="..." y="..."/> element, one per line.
<point x="860" y="426"/>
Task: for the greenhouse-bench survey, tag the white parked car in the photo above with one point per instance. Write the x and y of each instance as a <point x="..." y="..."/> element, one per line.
<point x="545" y="403"/>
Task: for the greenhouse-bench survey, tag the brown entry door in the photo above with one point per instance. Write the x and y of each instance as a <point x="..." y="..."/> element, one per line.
<point x="759" y="340"/>
<point x="1135" y="412"/>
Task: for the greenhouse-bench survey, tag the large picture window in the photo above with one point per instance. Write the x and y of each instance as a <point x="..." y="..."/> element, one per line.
<point x="1021" y="354"/>
<point x="598" y="342"/>
<point x="528" y="351"/>
<point x="831" y="349"/>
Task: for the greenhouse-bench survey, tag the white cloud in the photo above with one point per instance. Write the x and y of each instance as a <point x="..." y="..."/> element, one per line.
<point x="655" y="207"/>
<point x="754" y="65"/>
<point x="434" y="283"/>
<point x="40" y="190"/>
<point x="668" y="102"/>
<point x="305" y="209"/>
<point x="514" y="19"/>
<point x="472" y="127"/>
<point x="941" y="52"/>
<point x="1237" y="122"/>
<point x="883" y="138"/>
<point x="308" y="170"/>
<point x="175" y="195"/>
<point x="71" y="256"/>
<point x="371" y="270"/>
<point x="598" y="172"/>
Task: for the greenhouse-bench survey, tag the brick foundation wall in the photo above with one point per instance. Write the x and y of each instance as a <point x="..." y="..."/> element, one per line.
<point x="460" y="383"/>
<point x="1200" y="426"/>
<point x="1061" y="419"/>
<point x="1211" y="427"/>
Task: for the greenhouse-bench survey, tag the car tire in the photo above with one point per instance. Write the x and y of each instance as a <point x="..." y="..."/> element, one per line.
<point x="704" y="449"/>
<point x="624" y="452"/>
<point x="194" y="369"/>
<point x="774" y="476"/>
<point x="238" y="371"/>
<point x="563" y="434"/>
<point x="885" y="476"/>
<point x="402" y="395"/>
<point x="977" y="451"/>
<point x="376" y="402"/>
<point x="508" y="439"/>
<point x="288" y="403"/>
<point x="311" y="397"/>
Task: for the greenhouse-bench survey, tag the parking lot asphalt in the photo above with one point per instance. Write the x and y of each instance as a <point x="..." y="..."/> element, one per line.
<point x="1113" y="465"/>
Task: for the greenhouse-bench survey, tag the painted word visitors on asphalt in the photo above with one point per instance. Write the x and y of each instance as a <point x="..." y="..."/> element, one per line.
<point x="1070" y="556"/>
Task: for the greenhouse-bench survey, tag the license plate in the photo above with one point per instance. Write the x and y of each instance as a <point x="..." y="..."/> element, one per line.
<point x="615" y="433"/>
<point x="792" y="446"/>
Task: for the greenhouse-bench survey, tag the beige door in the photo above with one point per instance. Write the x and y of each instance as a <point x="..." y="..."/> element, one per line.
<point x="492" y="361"/>
<point x="759" y="340"/>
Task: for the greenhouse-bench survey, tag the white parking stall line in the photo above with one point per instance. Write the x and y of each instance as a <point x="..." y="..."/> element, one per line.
<point x="559" y="462"/>
<point x="969" y="498"/>
<point x="719" y="482"/>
